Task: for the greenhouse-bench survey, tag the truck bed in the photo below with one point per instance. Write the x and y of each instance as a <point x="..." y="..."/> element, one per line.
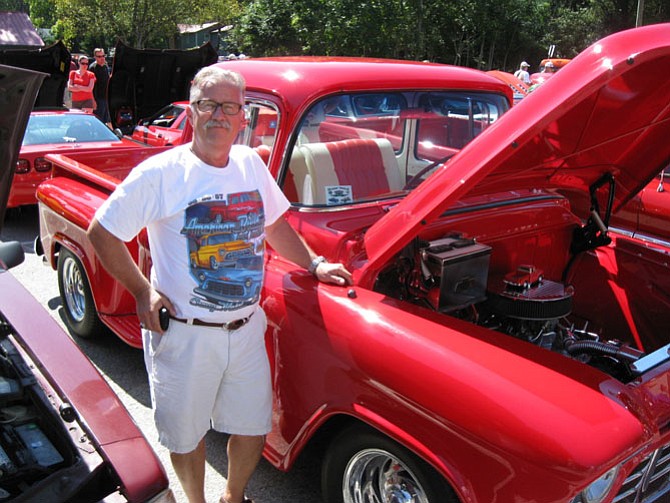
<point x="106" y="170"/>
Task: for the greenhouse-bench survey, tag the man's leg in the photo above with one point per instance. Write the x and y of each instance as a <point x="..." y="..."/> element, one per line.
<point x="190" y="469"/>
<point x="244" y="453"/>
<point x="106" y="118"/>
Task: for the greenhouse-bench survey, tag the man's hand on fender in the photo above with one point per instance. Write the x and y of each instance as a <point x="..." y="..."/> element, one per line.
<point x="333" y="273"/>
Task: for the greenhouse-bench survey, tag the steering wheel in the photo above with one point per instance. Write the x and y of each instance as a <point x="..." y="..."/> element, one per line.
<point x="413" y="182"/>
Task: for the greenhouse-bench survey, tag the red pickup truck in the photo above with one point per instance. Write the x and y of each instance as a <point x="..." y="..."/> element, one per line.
<point x="499" y="342"/>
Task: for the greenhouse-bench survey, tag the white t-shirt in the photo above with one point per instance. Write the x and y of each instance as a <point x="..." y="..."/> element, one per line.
<point x="523" y="76"/>
<point x="206" y="228"/>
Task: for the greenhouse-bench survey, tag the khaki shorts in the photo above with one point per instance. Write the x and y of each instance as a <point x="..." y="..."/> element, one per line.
<point x="202" y="378"/>
<point x="83" y="104"/>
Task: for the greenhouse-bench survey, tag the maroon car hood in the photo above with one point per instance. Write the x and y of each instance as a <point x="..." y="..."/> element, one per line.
<point x="606" y="112"/>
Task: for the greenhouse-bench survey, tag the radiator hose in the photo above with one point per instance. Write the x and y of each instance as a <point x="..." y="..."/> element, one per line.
<point x="602" y="348"/>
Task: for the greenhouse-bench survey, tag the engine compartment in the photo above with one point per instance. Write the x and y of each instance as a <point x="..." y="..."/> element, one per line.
<point x="531" y="283"/>
<point x="45" y="454"/>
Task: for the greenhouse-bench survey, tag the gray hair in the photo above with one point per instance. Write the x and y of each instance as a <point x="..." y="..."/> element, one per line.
<point x="214" y="75"/>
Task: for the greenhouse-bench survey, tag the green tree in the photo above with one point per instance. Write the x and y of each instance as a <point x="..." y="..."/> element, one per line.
<point x="480" y="33"/>
<point x="223" y="11"/>
<point x="14" y="5"/>
<point x="572" y="30"/>
<point x="574" y="25"/>
<point x="139" y="23"/>
<point x="42" y="13"/>
<point x="619" y="15"/>
<point x="266" y="29"/>
<point x="484" y="34"/>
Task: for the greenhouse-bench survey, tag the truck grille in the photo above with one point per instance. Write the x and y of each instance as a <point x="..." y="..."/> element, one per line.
<point x="649" y="482"/>
<point x="224" y="289"/>
<point x="231" y="255"/>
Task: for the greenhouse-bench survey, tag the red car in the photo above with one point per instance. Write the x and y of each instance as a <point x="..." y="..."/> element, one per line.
<point x="65" y="436"/>
<point x="164" y="127"/>
<point x="57" y="131"/>
<point x="243" y="207"/>
<point x="498" y="343"/>
<point x="548" y="67"/>
<point x="52" y="128"/>
<point x="519" y="88"/>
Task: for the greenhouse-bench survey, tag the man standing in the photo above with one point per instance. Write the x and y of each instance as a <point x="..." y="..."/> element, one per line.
<point x="101" y="70"/>
<point x="522" y="73"/>
<point x="210" y="366"/>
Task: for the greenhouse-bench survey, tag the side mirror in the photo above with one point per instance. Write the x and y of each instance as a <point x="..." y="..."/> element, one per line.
<point x="11" y="255"/>
<point x="118" y="133"/>
<point x="660" y="187"/>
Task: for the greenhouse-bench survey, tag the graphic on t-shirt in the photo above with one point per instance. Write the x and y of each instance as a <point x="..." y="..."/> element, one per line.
<point x="226" y="241"/>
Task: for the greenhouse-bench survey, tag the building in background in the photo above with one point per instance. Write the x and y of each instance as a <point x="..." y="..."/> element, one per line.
<point x="18" y="32"/>
<point x="195" y="35"/>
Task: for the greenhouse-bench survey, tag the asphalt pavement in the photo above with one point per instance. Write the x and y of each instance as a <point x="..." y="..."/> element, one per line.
<point x="123" y="368"/>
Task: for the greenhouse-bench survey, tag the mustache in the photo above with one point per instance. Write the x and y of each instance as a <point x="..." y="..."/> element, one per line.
<point x="219" y="124"/>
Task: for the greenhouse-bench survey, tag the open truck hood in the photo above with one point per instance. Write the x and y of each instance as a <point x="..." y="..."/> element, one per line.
<point x="18" y="89"/>
<point x="54" y="60"/>
<point x="145" y="80"/>
<point x="607" y="112"/>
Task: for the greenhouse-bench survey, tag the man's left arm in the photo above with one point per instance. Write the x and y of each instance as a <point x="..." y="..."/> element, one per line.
<point x="283" y="238"/>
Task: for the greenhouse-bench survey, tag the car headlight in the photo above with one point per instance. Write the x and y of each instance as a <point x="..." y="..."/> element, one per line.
<point x="598" y="490"/>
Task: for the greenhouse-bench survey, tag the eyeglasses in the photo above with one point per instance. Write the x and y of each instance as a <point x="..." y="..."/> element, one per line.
<point x="83" y="62"/>
<point x="99" y="55"/>
<point x="210" y="106"/>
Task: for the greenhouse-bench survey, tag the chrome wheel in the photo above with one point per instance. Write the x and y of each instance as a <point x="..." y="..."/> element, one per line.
<point x="78" y="305"/>
<point x="362" y="465"/>
<point x="376" y="476"/>
<point x="73" y="286"/>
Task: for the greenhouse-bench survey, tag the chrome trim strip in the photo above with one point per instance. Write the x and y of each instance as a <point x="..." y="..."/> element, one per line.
<point x="643" y="237"/>
<point x="651" y="360"/>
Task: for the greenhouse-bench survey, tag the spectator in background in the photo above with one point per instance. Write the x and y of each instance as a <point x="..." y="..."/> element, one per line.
<point x="101" y="71"/>
<point x="549" y="68"/>
<point x="522" y="73"/>
<point x="81" y="84"/>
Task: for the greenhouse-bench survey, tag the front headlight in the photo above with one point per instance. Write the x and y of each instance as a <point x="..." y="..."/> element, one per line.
<point x="600" y="488"/>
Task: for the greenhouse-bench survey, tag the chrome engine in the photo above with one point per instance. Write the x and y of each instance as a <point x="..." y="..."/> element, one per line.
<point x="451" y="275"/>
<point x="529" y="307"/>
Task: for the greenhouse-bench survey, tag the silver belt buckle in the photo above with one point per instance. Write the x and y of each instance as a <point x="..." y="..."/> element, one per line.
<point x="236" y="324"/>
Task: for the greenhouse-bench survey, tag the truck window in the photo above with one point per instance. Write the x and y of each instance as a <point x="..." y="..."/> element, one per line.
<point x="262" y="122"/>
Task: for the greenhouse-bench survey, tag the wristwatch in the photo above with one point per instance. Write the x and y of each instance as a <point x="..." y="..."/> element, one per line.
<point x="315" y="263"/>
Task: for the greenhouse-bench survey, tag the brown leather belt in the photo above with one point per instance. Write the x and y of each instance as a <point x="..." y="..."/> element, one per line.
<point x="230" y="325"/>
